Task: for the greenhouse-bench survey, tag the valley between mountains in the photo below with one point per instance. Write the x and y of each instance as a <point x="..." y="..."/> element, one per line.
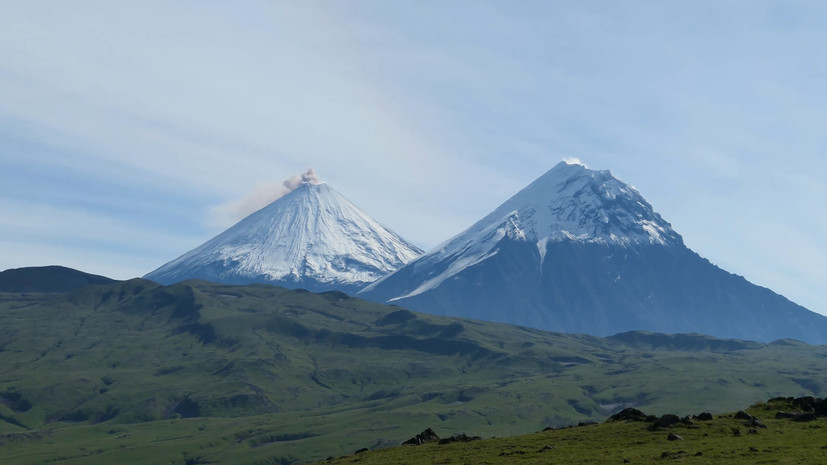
<point x="137" y="372"/>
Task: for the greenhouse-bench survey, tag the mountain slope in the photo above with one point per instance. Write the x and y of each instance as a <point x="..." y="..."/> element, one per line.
<point x="269" y="372"/>
<point x="312" y="238"/>
<point x="580" y="251"/>
<point x="47" y="279"/>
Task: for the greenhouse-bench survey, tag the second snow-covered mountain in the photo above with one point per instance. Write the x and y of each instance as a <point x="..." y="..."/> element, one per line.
<point x="312" y="238"/>
<point x="580" y="251"/>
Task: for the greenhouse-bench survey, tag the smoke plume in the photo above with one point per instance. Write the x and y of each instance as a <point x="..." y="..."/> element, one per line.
<point x="574" y="161"/>
<point x="262" y="195"/>
<point x="293" y="182"/>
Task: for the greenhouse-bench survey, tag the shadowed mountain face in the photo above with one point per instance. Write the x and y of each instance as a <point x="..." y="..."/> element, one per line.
<point x="312" y="238"/>
<point x="47" y="279"/>
<point x="580" y="251"/>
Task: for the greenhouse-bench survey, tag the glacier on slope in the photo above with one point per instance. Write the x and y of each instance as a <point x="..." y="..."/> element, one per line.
<point x="312" y="238"/>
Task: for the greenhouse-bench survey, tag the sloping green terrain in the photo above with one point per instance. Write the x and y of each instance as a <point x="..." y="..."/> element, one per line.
<point x="135" y="372"/>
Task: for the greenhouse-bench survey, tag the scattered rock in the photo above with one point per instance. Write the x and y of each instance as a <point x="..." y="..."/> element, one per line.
<point x="752" y="431"/>
<point x="806" y="404"/>
<point x="752" y="449"/>
<point x="797" y="416"/>
<point x="674" y="437"/>
<point x="546" y="448"/>
<point x="423" y="438"/>
<point x="666" y="421"/>
<point x="818" y="407"/>
<point x="742" y="415"/>
<point x="364" y="449"/>
<point x="704" y="416"/>
<point x="755" y="422"/>
<point x="808" y="416"/>
<point x="699" y="454"/>
<point x="736" y="432"/>
<point x="627" y="461"/>
<point x="628" y="414"/>
<point x="548" y="428"/>
<point x="462" y="437"/>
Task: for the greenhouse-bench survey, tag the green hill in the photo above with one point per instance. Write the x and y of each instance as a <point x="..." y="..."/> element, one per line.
<point x="132" y="372"/>
<point x="47" y="279"/>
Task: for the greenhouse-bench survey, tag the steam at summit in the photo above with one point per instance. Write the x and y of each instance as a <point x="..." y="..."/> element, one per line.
<point x="262" y="195"/>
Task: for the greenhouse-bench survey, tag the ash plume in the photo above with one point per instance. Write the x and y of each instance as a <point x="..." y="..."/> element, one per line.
<point x="293" y="182"/>
<point x="262" y="195"/>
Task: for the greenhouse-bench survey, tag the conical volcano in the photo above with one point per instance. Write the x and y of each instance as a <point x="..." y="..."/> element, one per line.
<point x="312" y="238"/>
<point x="580" y="251"/>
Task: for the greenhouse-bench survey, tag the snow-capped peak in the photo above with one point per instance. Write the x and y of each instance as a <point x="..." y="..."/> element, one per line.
<point x="313" y="237"/>
<point x="572" y="202"/>
<point x="568" y="203"/>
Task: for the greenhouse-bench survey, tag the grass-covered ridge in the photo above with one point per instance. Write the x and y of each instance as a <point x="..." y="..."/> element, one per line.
<point x="248" y="373"/>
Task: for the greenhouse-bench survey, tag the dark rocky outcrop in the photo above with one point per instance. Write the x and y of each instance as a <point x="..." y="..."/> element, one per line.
<point x="462" y="437"/>
<point x="655" y="423"/>
<point x="742" y="415"/>
<point x="423" y="438"/>
<point x="629" y="414"/>
<point x="704" y="416"/>
<point x="801" y="408"/>
<point x="797" y="416"/>
<point x="755" y="423"/>
<point x="667" y="421"/>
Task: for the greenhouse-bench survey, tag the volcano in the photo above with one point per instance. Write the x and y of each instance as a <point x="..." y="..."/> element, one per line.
<point x="312" y="238"/>
<point x="580" y="251"/>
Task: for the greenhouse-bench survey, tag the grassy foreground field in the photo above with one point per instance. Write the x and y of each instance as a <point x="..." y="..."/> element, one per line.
<point x="251" y="441"/>
<point x="720" y="440"/>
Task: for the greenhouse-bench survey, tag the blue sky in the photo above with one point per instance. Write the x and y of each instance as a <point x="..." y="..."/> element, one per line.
<point x="129" y="130"/>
